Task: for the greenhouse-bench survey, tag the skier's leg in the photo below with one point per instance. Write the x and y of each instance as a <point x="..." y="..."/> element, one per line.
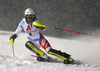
<point x="59" y="54"/>
<point x="64" y="56"/>
<point x="36" y="50"/>
<point x="45" y="44"/>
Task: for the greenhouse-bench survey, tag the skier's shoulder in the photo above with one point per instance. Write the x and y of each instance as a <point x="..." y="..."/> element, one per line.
<point x="22" y="21"/>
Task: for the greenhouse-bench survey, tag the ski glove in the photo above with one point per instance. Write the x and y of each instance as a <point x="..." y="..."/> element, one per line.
<point x="38" y="24"/>
<point x="12" y="38"/>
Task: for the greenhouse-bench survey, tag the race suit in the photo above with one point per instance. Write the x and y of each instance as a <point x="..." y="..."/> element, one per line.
<point x="33" y="34"/>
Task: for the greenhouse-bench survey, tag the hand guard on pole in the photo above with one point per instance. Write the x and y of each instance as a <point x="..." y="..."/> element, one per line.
<point x="38" y="24"/>
<point x="12" y="38"/>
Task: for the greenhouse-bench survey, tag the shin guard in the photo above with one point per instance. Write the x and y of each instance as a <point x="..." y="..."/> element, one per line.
<point x="34" y="49"/>
<point x="59" y="54"/>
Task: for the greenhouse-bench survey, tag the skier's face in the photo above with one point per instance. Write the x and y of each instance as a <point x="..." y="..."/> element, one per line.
<point x="30" y="18"/>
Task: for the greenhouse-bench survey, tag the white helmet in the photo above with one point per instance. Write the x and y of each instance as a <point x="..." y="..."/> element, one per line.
<point x="29" y="11"/>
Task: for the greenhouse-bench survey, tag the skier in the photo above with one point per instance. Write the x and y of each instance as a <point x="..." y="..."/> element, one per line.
<point x="32" y="26"/>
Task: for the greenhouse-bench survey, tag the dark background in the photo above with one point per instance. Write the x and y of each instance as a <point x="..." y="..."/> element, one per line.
<point x="76" y="15"/>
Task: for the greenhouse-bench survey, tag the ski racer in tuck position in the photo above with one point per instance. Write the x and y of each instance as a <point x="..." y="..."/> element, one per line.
<point x="32" y="26"/>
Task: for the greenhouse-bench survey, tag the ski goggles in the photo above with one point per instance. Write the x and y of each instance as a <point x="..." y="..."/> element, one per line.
<point x="30" y="16"/>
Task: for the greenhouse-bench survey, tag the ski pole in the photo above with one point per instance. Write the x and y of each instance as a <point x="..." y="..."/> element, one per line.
<point x="34" y="55"/>
<point x="13" y="49"/>
<point x="68" y="30"/>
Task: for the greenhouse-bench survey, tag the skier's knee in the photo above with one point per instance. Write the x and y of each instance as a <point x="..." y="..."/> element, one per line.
<point x="31" y="47"/>
<point x="27" y="45"/>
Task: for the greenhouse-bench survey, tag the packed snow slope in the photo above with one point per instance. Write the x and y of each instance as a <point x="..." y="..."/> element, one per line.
<point x="85" y="49"/>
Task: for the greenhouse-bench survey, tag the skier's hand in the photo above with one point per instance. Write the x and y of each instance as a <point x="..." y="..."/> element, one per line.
<point x="12" y="38"/>
<point x="38" y="24"/>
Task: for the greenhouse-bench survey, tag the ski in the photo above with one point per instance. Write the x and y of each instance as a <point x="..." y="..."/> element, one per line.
<point x="41" y="59"/>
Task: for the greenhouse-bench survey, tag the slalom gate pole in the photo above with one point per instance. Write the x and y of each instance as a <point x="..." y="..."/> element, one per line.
<point x="69" y="30"/>
<point x="13" y="49"/>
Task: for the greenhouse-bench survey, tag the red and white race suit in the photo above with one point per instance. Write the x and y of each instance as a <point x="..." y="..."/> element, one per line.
<point x="33" y="34"/>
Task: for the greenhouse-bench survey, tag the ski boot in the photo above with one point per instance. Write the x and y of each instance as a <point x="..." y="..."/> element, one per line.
<point x="44" y="58"/>
<point x="41" y="59"/>
<point x="69" y="61"/>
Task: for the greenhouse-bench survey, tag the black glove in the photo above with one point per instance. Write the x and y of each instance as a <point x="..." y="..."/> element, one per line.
<point x="12" y="38"/>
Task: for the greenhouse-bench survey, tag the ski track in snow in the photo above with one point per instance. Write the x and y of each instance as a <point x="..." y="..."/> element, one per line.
<point x="24" y="62"/>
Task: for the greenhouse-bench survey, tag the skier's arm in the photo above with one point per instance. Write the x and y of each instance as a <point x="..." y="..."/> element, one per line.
<point x="18" y="30"/>
<point x="12" y="38"/>
<point x="39" y="25"/>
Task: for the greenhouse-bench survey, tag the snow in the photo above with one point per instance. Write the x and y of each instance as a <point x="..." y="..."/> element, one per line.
<point x="86" y="49"/>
